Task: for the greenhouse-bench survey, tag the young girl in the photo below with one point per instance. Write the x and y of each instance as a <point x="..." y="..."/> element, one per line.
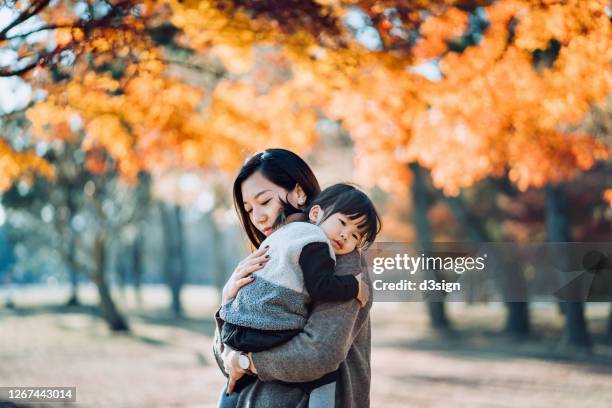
<point x="275" y="307"/>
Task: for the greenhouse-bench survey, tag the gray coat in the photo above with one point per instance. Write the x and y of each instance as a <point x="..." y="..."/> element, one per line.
<point x="277" y="299"/>
<point x="336" y="335"/>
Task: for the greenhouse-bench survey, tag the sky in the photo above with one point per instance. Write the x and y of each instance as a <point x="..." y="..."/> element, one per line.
<point x="15" y="93"/>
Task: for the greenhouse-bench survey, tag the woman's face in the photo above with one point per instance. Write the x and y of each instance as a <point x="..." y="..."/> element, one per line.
<point x="262" y="201"/>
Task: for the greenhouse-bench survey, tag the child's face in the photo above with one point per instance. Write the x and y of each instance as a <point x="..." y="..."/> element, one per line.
<point x="339" y="229"/>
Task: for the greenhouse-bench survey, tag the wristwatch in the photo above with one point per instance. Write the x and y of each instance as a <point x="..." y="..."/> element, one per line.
<point x="243" y="361"/>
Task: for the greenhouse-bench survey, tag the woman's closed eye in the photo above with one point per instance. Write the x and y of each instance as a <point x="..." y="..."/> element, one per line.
<point x="265" y="202"/>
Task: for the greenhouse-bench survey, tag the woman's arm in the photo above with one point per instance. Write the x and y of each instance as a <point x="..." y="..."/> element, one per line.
<point x="218" y="347"/>
<point x="240" y="277"/>
<point x="325" y="341"/>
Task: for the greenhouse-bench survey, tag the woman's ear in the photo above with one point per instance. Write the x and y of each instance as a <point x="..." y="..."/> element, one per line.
<point x="300" y="195"/>
<point x="315" y="214"/>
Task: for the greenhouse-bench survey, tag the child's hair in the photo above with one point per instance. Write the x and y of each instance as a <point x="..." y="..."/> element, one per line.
<point x="350" y="201"/>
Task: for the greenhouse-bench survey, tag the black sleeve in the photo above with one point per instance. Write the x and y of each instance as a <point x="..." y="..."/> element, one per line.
<point x="254" y="340"/>
<point x="319" y="279"/>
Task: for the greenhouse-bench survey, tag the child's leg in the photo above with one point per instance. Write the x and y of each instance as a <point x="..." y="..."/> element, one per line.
<point x="323" y="397"/>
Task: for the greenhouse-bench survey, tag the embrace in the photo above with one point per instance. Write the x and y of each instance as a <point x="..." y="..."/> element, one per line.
<point x="293" y="329"/>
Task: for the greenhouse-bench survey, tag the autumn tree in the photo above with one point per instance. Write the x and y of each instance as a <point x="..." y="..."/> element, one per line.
<point x="175" y="266"/>
<point x="514" y="77"/>
<point x="107" y="91"/>
<point x="465" y="89"/>
<point x="479" y="48"/>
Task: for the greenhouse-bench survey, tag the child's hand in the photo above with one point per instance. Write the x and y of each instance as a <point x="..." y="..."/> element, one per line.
<point x="363" y="294"/>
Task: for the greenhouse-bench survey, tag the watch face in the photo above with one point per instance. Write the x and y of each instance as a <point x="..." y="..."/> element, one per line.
<point x="243" y="361"/>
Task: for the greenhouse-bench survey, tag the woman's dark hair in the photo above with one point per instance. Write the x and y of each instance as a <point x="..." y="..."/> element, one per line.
<point x="281" y="167"/>
<point x="348" y="200"/>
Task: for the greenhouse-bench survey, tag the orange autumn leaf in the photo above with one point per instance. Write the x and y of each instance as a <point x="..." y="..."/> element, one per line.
<point x="523" y="83"/>
<point x="20" y="165"/>
<point x="607" y="196"/>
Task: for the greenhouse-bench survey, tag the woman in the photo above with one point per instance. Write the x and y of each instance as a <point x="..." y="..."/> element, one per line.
<point x="337" y="334"/>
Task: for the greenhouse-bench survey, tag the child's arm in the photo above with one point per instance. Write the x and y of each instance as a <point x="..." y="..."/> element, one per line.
<point x="319" y="279"/>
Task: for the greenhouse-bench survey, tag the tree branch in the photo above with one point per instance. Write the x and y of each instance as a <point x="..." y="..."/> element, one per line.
<point x="44" y="28"/>
<point x="32" y="10"/>
<point x="7" y="72"/>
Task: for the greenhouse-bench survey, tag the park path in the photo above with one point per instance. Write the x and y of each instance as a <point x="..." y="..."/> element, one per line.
<point x="166" y="363"/>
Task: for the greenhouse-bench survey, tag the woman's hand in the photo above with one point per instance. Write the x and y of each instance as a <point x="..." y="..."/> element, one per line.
<point x="232" y="368"/>
<point x="363" y="294"/>
<point x="241" y="275"/>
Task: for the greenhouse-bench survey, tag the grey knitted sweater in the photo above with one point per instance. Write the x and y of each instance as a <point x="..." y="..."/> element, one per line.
<point x="278" y="299"/>
<point x="336" y="335"/>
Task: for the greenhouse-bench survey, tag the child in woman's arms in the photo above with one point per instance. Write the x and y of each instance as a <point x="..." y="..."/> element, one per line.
<point x="275" y="306"/>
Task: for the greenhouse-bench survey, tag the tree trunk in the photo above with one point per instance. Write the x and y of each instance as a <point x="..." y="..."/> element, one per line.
<point x="122" y="267"/>
<point x="517" y="313"/>
<point x="177" y="305"/>
<point x="73" y="300"/>
<point x="136" y="252"/>
<point x="74" y="276"/>
<point x="608" y="335"/>
<point x="110" y="313"/>
<point x="517" y="319"/>
<point x="175" y="262"/>
<point x="72" y="244"/>
<point x="422" y="202"/>
<point x="9" y="303"/>
<point x="576" y="333"/>
<point x="219" y="275"/>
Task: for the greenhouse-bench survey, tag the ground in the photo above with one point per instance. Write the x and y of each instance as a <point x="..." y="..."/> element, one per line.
<point x="166" y="362"/>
